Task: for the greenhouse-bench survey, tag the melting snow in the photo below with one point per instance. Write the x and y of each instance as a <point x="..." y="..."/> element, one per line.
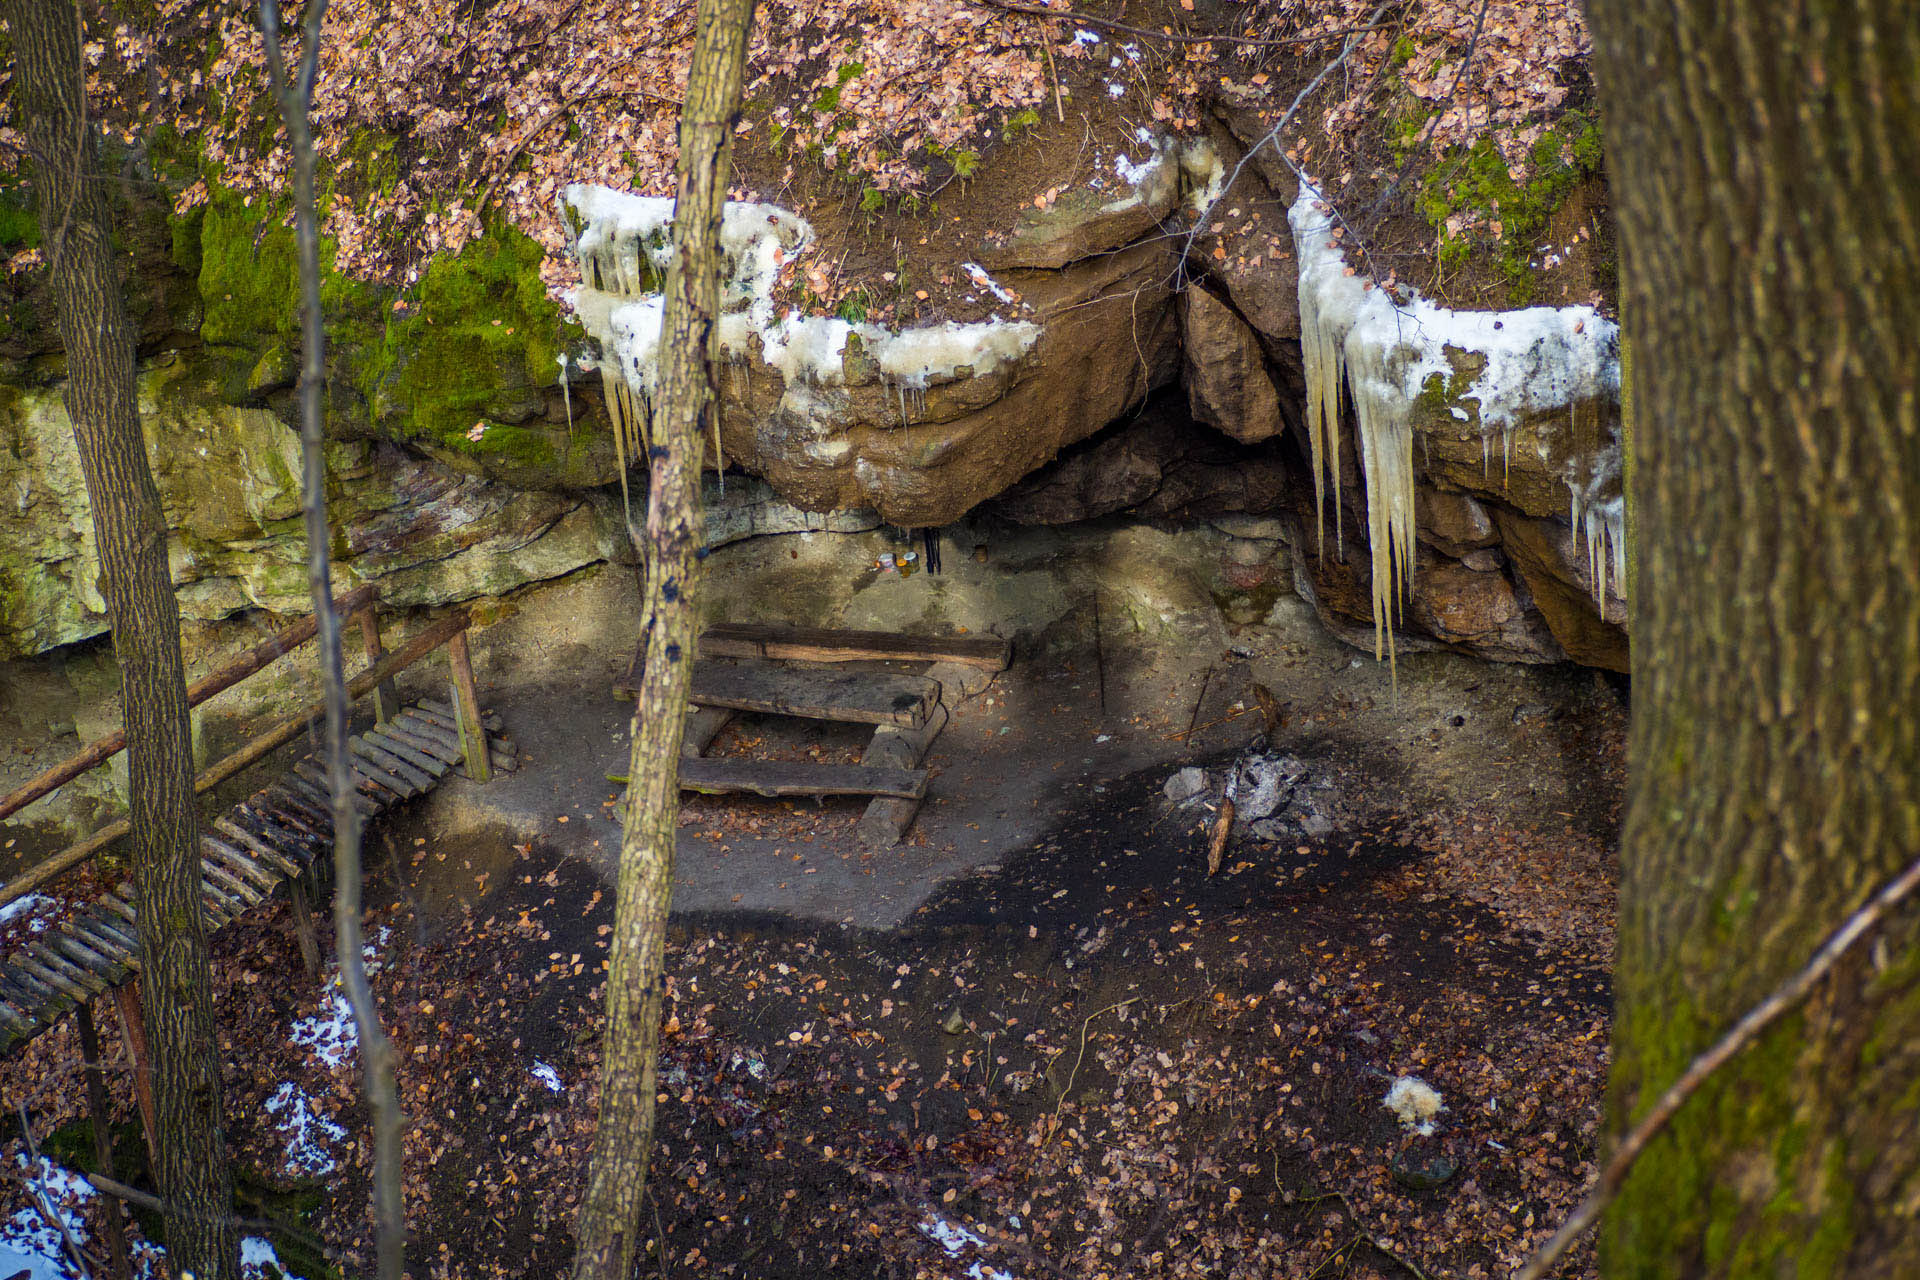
<point x="32" y="1247"/>
<point x="956" y="1240"/>
<point x="1416" y="1103"/>
<point x="622" y="248"/>
<point x="308" y="1133"/>
<point x="547" y="1076"/>
<point x="258" y="1261"/>
<point x="26" y="905"/>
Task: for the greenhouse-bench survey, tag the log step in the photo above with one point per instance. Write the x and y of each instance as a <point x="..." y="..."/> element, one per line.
<point x="817" y="644"/>
<point x="853" y="697"/>
<point x="795" y="778"/>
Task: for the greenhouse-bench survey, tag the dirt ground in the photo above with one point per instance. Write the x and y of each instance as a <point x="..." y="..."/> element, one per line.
<point x="1034" y="1039"/>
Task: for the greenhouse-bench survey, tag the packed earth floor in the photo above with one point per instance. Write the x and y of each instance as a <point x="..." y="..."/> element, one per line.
<point x="1070" y="1053"/>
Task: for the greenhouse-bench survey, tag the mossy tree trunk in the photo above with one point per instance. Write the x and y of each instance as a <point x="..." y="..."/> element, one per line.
<point x="609" y="1228"/>
<point x="1765" y="166"/>
<point x="131" y="531"/>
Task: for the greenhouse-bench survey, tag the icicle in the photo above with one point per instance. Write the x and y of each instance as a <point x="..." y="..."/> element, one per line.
<point x="566" y="394"/>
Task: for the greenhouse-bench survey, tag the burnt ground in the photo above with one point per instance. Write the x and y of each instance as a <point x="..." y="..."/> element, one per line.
<point x="1044" y="1026"/>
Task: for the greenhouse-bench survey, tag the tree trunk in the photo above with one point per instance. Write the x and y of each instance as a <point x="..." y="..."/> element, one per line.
<point x="294" y="90"/>
<point x="1765" y="163"/>
<point x="684" y="408"/>
<point x="131" y="532"/>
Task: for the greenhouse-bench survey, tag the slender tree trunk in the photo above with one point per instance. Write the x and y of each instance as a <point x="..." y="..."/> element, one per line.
<point x="1765" y="164"/>
<point x="610" y="1227"/>
<point x="295" y="93"/>
<point x="131" y="531"/>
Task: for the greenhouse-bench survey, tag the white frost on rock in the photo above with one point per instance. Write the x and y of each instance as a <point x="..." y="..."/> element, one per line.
<point x="308" y="1134"/>
<point x="1537" y="361"/>
<point x="622" y="244"/>
<point x="1415" y="1102"/>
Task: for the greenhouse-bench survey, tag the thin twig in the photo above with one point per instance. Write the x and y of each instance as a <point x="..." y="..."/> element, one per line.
<point x="1271" y="135"/>
<point x="1757" y="1019"/>
<point x="1171" y="37"/>
<point x="1082" y="1055"/>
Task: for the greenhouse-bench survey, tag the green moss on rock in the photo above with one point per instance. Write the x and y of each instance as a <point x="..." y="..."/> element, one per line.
<point x="1477" y="182"/>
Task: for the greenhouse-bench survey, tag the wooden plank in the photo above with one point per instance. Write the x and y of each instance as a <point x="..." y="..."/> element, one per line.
<point x="853" y="697"/>
<point x="794" y="778"/>
<point x="888" y="817"/>
<point x="703" y="726"/>
<point x="817" y="644"/>
<point x="466" y="708"/>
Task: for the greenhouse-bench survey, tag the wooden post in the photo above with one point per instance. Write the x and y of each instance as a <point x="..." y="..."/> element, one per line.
<point x="386" y="700"/>
<point x="103" y="1140"/>
<point x="303" y="926"/>
<point x="133" y="1028"/>
<point x="466" y="709"/>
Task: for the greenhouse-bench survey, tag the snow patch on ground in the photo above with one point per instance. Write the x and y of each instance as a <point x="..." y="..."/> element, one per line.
<point x="258" y="1261"/>
<point x="956" y="1240"/>
<point x="32" y="1247"/>
<point x="308" y="1134"/>
<point x="331" y="1033"/>
<point x="26" y="905"/>
<point x="547" y="1076"/>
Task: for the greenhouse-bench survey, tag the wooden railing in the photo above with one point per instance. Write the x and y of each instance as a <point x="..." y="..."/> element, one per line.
<point x="361" y="605"/>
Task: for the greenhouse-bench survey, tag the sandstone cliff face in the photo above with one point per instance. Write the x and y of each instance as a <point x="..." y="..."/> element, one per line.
<point x="1166" y="381"/>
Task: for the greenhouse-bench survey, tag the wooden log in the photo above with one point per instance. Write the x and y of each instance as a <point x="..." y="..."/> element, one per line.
<point x="15" y="1020"/>
<point x="99" y="931"/>
<point x="133" y="1030"/>
<point x="315" y="813"/>
<point x="386" y="700"/>
<point x="703" y="726"/>
<point x="26" y="991"/>
<point x="425" y="735"/>
<point x="466" y="699"/>
<point x="443" y="713"/>
<point x="848" y="696"/>
<point x="417" y="780"/>
<point x="389" y="741"/>
<point x="815" y="644"/>
<point x="96" y="753"/>
<point x="395" y="775"/>
<point x="102" y="1137"/>
<point x="888" y="817"/>
<point x="793" y="778"/>
<point x="303" y="931"/>
<point x="366" y="804"/>
<point x="394" y="663"/>
<point x="68" y="942"/>
<point x="62" y="975"/>
<point x="258" y="880"/>
<point x="262" y="849"/>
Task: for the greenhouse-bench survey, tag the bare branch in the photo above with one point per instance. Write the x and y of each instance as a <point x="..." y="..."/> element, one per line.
<point x="1787" y="995"/>
<point x="1173" y="37"/>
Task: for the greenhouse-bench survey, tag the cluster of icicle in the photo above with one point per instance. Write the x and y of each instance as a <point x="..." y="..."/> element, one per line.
<point x="1383" y="350"/>
<point x="622" y="244"/>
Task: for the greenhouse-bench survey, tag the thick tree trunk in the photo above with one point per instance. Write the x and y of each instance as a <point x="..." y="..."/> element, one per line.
<point x="1765" y="165"/>
<point x="609" y="1228"/>
<point x="131" y="532"/>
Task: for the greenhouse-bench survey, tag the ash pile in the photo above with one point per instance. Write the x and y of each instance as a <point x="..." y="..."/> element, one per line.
<point x="1265" y="795"/>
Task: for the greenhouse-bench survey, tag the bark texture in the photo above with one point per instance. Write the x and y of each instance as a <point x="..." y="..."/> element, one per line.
<point x="1763" y="159"/>
<point x="684" y="406"/>
<point x="131" y="531"/>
